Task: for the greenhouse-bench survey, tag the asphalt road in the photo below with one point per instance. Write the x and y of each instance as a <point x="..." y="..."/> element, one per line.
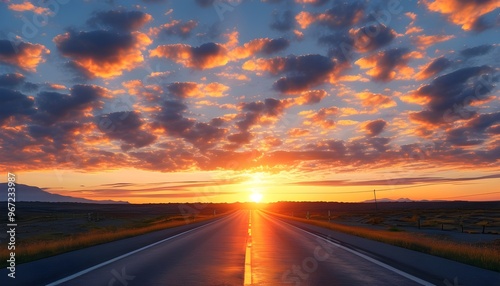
<point x="244" y="248"/>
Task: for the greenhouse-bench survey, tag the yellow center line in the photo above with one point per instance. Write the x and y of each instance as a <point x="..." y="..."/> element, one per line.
<point x="248" y="254"/>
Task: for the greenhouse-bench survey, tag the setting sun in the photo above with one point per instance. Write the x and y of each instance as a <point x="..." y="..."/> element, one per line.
<point x="256" y="197"/>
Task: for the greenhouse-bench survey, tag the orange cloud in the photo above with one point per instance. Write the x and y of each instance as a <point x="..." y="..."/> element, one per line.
<point x="304" y="19"/>
<point x="297" y="132"/>
<point x="206" y="56"/>
<point x="28" y="6"/>
<point x="211" y="55"/>
<point x="388" y="65"/>
<point x="374" y="128"/>
<point x="310" y="97"/>
<point x="301" y="73"/>
<point x="340" y="16"/>
<point x="347" y="122"/>
<point x="322" y="118"/>
<point x="118" y="53"/>
<point x="413" y="30"/>
<point x="175" y="27"/>
<point x="313" y="2"/>
<point x="193" y="89"/>
<point x="263" y="45"/>
<point x="463" y="13"/>
<point x="237" y="76"/>
<point x="215" y="89"/>
<point x="432" y="68"/>
<point x="424" y="41"/>
<point x="273" y="66"/>
<point x="24" y="55"/>
<point x="377" y="101"/>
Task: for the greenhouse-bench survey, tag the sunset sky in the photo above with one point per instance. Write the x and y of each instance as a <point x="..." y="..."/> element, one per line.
<point x="216" y="101"/>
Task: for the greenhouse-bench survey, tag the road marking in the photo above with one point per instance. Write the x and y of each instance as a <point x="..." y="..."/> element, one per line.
<point x="248" y="254"/>
<point x="71" y="277"/>
<point x="379" y="263"/>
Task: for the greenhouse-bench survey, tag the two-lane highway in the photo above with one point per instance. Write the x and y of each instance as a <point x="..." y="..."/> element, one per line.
<point x="210" y="255"/>
<point x="285" y="255"/>
<point x="244" y="248"/>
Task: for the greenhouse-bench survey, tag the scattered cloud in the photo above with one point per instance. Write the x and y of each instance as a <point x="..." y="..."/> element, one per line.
<point x="467" y="14"/>
<point x="24" y="55"/>
<point x="120" y="20"/>
<point x="103" y="53"/>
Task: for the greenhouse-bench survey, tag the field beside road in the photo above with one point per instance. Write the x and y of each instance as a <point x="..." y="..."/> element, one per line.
<point x="467" y="232"/>
<point x="47" y="229"/>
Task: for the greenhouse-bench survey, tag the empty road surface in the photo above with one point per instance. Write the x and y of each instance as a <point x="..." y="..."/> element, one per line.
<point x="244" y="248"/>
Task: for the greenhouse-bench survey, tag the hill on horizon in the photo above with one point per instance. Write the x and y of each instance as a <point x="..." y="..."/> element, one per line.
<point x="25" y="193"/>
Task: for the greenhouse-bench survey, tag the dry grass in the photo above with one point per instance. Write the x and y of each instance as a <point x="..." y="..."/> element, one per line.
<point x="29" y="251"/>
<point x="483" y="256"/>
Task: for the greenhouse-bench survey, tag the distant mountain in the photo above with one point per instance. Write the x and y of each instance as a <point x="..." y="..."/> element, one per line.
<point x="25" y="193"/>
<point x="386" y="200"/>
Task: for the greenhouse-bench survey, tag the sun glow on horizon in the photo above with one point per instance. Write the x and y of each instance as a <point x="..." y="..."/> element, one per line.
<point x="256" y="197"/>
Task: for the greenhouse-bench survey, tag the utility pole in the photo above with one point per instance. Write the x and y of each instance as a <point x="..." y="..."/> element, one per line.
<point x="375" y="196"/>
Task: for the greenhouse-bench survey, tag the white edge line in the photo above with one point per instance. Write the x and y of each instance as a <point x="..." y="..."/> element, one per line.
<point x="80" y="273"/>
<point x="379" y="263"/>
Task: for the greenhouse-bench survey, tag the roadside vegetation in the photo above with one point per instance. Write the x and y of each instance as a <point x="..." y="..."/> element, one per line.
<point x="481" y="255"/>
<point x="52" y="244"/>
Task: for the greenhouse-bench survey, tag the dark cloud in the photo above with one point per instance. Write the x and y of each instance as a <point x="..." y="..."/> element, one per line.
<point x="208" y="55"/>
<point x="372" y="37"/>
<point x="449" y="95"/>
<point x="125" y="126"/>
<point x="120" y="19"/>
<point x="340" y="45"/>
<point x="283" y="22"/>
<point x="342" y="15"/>
<point x="254" y="114"/>
<point x="483" y="121"/>
<point x="11" y="80"/>
<point x="383" y="65"/>
<point x="240" y="138"/>
<point x="17" y="81"/>
<point x="176" y="28"/>
<point x="14" y="103"/>
<point x="203" y="54"/>
<point x="55" y="106"/>
<point x="435" y="67"/>
<point x="475" y="131"/>
<point x="375" y="127"/>
<point x="182" y="89"/>
<point x="462" y="137"/>
<point x="275" y="45"/>
<point x="23" y="55"/>
<point x="300" y="73"/>
<point x="204" y="135"/>
<point x="205" y="3"/>
<point x="58" y="136"/>
<point x="99" y="44"/>
<point x="312" y="2"/>
<point x="171" y="118"/>
<point x="103" y="53"/>
<point x="476" y="51"/>
<point x="483" y="23"/>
